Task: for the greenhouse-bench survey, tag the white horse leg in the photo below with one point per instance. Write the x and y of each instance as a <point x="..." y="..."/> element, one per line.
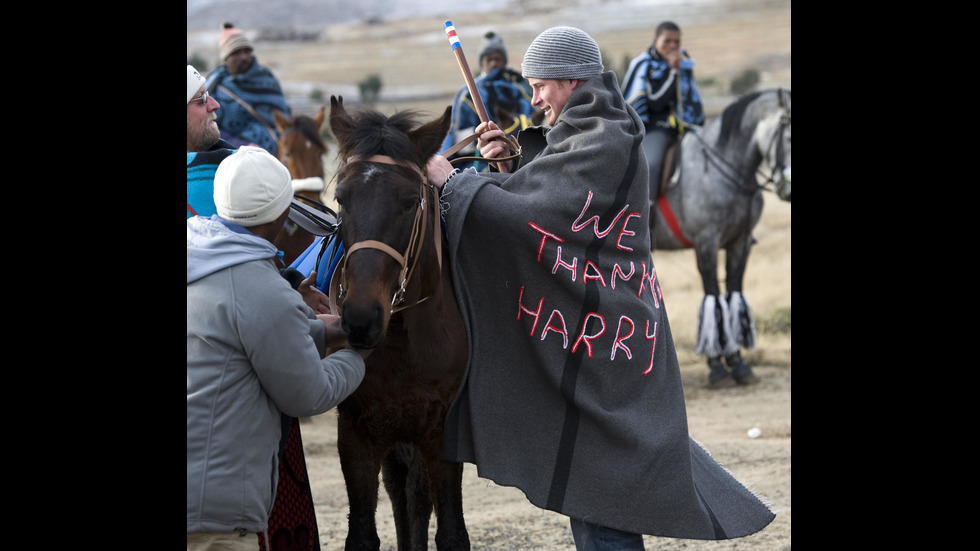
<point x="714" y="340"/>
<point x="739" y="316"/>
<point x="714" y="334"/>
<point x="740" y="320"/>
<point x="743" y="330"/>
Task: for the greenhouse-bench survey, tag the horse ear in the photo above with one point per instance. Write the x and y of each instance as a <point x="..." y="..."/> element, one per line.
<point x="340" y="121"/>
<point x="431" y="135"/>
<point x="282" y="123"/>
<point x="318" y="119"/>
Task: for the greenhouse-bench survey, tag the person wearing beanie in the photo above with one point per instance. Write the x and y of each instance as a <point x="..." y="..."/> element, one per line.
<point x="233" y="41"/>
<point x="492" y="43"/>
<point x="205" y="151"/>
<point x="248" y="92"/>
<point x="660" y="86"/>
<point x="505" y="93"/>
<point x="205" y="148"/>
<point x="255" y="353"/>
<point x="586" y="369"/>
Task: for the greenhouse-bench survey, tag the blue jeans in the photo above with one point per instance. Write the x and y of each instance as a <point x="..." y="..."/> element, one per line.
<point x="592" y="537"/>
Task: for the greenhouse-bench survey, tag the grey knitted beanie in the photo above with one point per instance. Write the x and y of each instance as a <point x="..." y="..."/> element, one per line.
<point x="560" y="53"/>
<point x="492" y="43"/>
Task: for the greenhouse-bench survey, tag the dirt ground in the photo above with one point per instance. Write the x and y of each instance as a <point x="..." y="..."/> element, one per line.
<point x="725" y="38"/>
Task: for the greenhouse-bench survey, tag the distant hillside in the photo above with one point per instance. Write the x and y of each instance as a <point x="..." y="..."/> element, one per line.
<point x="303" y="14"/>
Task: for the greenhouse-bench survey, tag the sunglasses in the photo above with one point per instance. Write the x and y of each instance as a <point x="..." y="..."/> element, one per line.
<point x="203" y="99"/>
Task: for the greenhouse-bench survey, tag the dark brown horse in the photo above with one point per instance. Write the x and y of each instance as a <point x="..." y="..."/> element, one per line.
<point x="301" y="149"/>
<point x="394" y="293"/>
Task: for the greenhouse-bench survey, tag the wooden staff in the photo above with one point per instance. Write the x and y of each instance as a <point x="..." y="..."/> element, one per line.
<point x="481" y="110"/>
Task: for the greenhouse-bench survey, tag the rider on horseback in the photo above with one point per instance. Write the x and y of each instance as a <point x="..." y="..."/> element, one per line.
<point x="504" y="92"/>
<point x="660" y="86"/>
<point x="248" y="93"/>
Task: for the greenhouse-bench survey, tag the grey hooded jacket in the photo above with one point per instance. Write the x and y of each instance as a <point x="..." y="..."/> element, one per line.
<point x="253" y="352"/>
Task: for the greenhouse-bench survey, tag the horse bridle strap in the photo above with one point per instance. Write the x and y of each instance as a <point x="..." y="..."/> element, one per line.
<point x="511" y="142"/>
<point x="414" y="241"/>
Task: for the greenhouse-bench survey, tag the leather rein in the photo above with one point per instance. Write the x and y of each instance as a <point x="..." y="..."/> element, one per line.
<point x="407" y="260"/>
<point x="511" y="142"/>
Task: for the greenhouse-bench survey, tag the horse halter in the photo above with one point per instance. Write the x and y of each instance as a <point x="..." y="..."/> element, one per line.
<point x="778" y="164"/>
<point x="412" y="253"/>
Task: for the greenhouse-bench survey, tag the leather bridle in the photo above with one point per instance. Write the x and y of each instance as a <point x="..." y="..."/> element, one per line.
<point x="407" y="260"/>
<point x="511" y="142"/>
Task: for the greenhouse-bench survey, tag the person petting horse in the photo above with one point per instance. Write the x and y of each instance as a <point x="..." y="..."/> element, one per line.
<point x="504" y="92"/>
<point x="255" y="353"/>
<point x="577" y="399"/>
<point x="249" y="92"/>
<point x="660" y="86"/>
<point x="205" y="151"/>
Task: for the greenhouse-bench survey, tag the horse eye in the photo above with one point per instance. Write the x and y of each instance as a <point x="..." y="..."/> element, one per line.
<point x="408" y="207"/>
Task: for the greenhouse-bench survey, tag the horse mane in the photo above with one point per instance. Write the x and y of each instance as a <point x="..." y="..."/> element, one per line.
<point x="732" y="115"/>
<point x="305" y="126"/>
<point x="374" y="133"/>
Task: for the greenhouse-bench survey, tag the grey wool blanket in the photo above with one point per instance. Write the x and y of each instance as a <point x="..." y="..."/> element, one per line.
<point x="573" y="391"/>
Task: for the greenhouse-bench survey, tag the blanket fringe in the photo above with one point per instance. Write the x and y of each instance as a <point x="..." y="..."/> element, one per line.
<point x="740" y="320"/>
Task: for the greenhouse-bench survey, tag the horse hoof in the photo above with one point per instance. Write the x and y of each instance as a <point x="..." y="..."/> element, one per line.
<point x="719" y="376"/>
<point x="741" y="371"/>
<point x="743" y="375"/>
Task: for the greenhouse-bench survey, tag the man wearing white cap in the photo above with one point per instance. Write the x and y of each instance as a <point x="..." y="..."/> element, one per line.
<point x="254" y="352"/>
<point x="205" y="148"/>
<point x="577" y="400"/>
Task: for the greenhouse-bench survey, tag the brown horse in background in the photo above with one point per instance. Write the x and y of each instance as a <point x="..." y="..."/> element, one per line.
<point x="395" y="295"/>
<point x="301" y="149"/>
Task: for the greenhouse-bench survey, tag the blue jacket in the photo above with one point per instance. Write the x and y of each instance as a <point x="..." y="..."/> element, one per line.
<point x="651" y="88"/>
<point x="201" y="167"/>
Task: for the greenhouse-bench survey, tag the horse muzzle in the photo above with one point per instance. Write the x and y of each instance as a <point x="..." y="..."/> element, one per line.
<point x="365" y="326"/>
<point x="783" y="186"/>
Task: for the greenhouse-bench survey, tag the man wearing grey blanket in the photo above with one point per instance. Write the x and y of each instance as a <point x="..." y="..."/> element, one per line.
<point x="573" y="391"/>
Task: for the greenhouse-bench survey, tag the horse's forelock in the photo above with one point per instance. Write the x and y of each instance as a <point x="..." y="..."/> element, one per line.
<point x="374" y="133"/>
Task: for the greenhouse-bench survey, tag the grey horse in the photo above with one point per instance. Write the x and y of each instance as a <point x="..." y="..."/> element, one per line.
<point x="713" y="202"/>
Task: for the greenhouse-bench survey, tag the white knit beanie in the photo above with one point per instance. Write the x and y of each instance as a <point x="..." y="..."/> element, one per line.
<point x="560" y="53"/>
<point x="194" y="82"/>
<point x="251" y="187"/>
